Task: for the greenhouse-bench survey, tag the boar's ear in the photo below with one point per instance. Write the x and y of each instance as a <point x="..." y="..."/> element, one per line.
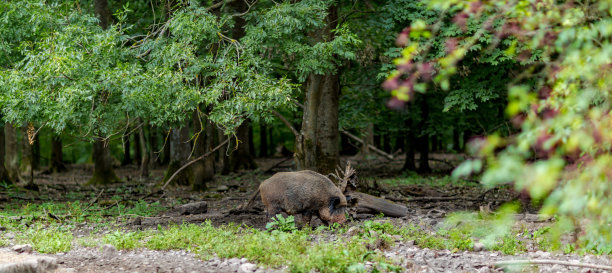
<point x="333" y="203"/>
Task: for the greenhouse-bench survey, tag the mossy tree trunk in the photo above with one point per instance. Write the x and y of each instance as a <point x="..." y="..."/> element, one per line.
<point x="180" y="149"/>
<point x="203" y="170"/>
<point x="11" y="153"/>
<point x="317" y="146"/>
<point x="127" y="159"/>
<point x="4" y="176"/>
<point x="145" y="155"/>
<point x="27" y="153"/>
<point x="103" y="164"/>
<point x="57" y="158"/>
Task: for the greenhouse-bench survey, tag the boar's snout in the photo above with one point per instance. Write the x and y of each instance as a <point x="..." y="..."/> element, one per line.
<point x="338" y="218"/>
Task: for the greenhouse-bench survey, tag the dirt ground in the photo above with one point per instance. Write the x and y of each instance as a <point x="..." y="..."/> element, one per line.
<point x="228" y="192"/>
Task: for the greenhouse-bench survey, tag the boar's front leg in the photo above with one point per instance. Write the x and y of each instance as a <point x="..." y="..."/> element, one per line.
<point x="306" y="218"/>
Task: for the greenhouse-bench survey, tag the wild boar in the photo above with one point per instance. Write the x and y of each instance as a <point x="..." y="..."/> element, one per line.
<point x="306" y="193"/>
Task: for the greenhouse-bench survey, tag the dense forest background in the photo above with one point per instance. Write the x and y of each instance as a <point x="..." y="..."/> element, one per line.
<point x="160" y="83"/>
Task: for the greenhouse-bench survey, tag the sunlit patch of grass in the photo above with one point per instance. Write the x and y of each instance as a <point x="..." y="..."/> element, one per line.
<point x="125" y="240"/>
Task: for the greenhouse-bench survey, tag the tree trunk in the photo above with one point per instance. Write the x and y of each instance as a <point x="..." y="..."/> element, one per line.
<point x="386" y="143"/>
<point x="263" y="140"/>
<point x="137" y="146"/>
<point x="154" y="157"/>
<point x="434" y="143"/>
<point x="467" y="134"/>
<point x="423" y="141"/>
<point x="144" y="162"/>
<point x="57" y="158"/>
<point x="11" y="153"/>
<point x="456" y="144"/>
<point x="4" y="176"/>
<point x="179" y="153"/>
<point x="223" y="159"/>
<point x="203" y="170"/>
<point x="409" y="143"/>
<point x="241" y="157"/>
<point x="103" y="164"/>
<point x="102" y="12"/>
<point x="26" y="153"/>
<point x="127" y="159"/>
<point x="36" y="153"/>
<point x="368" y="139"/>
<point x="317" y="144"/>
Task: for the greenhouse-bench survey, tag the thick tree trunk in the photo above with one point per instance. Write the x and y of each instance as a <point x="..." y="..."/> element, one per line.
<point x="263" y="140"/>
<point x="241" y="157"/>
<point x="11" y="154"/>
<point x="423" y="141"/>
<point x="154" y="157"/>
<point x="57" y="158"/>
<point x="103" y="164"/>
<point x="102" y="12"/>
<point x="203" y="170"/>
<point x="409" y="143"/>
<point x="317" y="144"/>
<point x="4" y="176"/>
<point x="127" y="159"/>
<point x="144" y="162"/>
<point x="179" y="153"/>
<point x="26" y="153"/>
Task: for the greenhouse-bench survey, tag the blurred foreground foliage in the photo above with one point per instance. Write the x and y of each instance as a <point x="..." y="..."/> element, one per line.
<point x="559" y="98"/>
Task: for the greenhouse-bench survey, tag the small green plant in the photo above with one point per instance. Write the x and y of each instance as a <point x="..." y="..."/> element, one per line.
<point x="282" y="224"/>
<point x="50" y="239"/>
<point x="124" y="240"/>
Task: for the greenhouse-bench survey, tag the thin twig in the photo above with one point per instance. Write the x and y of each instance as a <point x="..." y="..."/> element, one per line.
<point x="553" y="262"/>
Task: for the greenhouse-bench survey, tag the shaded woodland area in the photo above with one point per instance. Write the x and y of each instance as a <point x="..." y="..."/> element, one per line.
<point x="478" y="131"/>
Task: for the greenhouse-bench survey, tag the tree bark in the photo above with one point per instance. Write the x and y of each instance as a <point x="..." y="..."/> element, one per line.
<point x="203" y="170"/>
<point x="409" y="143"/>
<point x="127" y="159"/>
<point x="57" y="158"/>
<point x="263" y="140"/>
<point x="223" y="159"/>
<point x="368" y="140"/>
<point x="241" y="157"/>
<point x="154" y="157"/>
<point x="11" y="153"/>
<point x="4" y="176"/>
<point x="144" y="162"/>
<point x="26" y="153"/>
<point x="179" y="153"/>
<point x="423" y="140"/>
<point x="456" y="145"/>
<point x="386" y="143"/>
<point x="36" y="153"/>
<point x="317" y="144"/>
<point x="103" y="164"/>
<point x="102" y="12"/>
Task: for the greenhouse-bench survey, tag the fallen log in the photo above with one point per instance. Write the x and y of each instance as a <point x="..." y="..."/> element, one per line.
<point x="377" y="205"/>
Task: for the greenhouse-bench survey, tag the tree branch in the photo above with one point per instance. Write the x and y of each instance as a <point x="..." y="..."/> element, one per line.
<point x="286" y="122"/>
<point x="378" y="151"/>
<point x="194" y="161"/>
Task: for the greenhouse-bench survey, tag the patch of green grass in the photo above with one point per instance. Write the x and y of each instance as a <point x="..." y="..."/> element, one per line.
<point x="125" y="240"/>
<point x="50" y="239"/>
<point x="294" y="249"/>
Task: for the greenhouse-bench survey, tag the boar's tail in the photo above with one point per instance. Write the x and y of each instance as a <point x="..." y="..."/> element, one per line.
<point x="251" y="200"/>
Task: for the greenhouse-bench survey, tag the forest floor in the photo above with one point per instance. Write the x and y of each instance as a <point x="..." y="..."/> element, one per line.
<point x="127" y="228"/>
